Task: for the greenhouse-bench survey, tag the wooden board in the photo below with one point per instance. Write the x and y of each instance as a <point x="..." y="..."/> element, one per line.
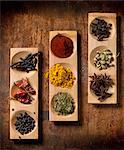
<point x="93" y="47"/>
<point x="15" y="106"/>
<point x="70" y="62"/>
<point x="27" y="24"/>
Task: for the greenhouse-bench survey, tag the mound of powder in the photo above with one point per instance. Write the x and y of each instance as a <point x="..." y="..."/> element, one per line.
<point x="61" y="46"/>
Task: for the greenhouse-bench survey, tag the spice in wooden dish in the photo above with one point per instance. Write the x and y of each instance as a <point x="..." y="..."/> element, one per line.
<point x="24" y="123"/>
<point x="63" y="103"/>
<point x="61" y="46"/>
<point x="25" y="85"/>
<point x="22" y="96"/>
<point x="26" y="64"/>
<point x="100" y="85"/>
<point x="103" y="60"/>
<point x="101" y="29"/>
<point x="60" y="76"/>
<point x="23" y="91"/>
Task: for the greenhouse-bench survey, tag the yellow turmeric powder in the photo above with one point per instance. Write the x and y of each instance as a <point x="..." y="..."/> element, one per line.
<point x="60" y="76"/>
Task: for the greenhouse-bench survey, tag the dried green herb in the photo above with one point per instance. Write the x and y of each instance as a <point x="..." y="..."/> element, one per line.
<point x="63" y="103"/>
<point x="100" y="85"/>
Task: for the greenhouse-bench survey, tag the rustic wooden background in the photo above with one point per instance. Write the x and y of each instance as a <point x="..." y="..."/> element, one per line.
<point x="27" y="24"/>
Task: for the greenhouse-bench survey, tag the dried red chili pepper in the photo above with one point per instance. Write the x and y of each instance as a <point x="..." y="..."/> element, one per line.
<point x="25" y="84"/>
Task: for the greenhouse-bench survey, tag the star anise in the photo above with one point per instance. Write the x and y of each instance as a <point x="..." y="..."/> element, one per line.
<point x="100" y="85"/>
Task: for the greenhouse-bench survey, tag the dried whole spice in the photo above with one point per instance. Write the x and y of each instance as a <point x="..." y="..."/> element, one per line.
<point x="26" y="64"/>
<point x="25" y="84"/>
<point x="103" y="60"/>
<point x="23" y="91"/>
<point x="22" y="96"/>
<point x="61" y="46"/>
<point x="63" y="103"/>
<point x="101" y="29"/>
<point x="24" y="123"/>
<point x="100" y="85"/>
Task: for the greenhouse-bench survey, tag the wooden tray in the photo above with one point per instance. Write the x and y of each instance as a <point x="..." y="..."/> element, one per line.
<point x="17" y="107"/>
<point x="93" y="46"/>
<point x="70" y="62"/>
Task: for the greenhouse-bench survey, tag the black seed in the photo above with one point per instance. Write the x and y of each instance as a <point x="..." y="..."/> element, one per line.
<point x="24" y="123"/>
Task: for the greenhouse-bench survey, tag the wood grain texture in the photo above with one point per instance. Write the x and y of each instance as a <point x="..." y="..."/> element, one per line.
<point x="27" y="24"/>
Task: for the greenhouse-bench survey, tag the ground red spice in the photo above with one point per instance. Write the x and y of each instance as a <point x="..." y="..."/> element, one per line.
<point x="62" y="46"/>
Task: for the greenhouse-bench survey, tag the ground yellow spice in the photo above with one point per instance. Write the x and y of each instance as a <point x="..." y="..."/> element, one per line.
<point x="60" y="76"/>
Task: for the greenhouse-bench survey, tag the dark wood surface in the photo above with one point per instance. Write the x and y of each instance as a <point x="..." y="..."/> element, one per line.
<point x="27" y="24"/>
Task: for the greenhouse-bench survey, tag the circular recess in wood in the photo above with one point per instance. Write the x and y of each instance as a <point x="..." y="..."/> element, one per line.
<point x="94" y="52"/>
<point x="74" y="107"/>
<point x="14" y="118"/>
<point x="16" y="58"/>
<point x="110" y="90"/>
<point x="72" y="68"/>
<point x="56" y="47"/>
<point x="15" y="90"/>
<point x="109" y="21"/>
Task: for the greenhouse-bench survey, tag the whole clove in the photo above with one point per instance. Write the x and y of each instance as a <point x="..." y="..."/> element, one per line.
<point x="100" y="29"/>
<point x="26" y="64"/>
<point x="100" y="85"/>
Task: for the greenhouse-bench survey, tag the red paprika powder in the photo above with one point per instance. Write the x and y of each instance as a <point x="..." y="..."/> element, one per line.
<point x="61" y="46"/>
